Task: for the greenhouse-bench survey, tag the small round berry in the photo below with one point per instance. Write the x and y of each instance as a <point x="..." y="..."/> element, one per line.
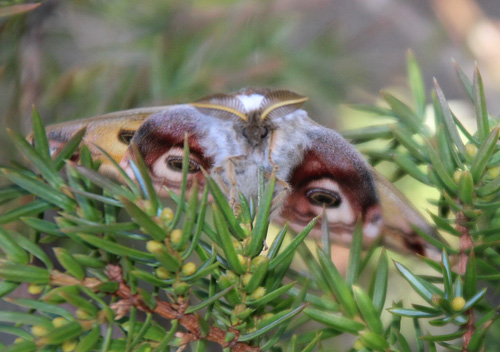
<point x="154" y="247"/>
<point x="471" y="149"/>
<point x="39" y="331"/>
<point x="167" y="214"/>
<point x="59" y="321"/>
<point x="69" y="345"/>
<point x="35" y="289"/>
<point x="162" y="273"/>
<point x="175" y="236"/>
<point x="259" y="292"/>
<point x="188" y="269"/>
<point x="458" y="304"/>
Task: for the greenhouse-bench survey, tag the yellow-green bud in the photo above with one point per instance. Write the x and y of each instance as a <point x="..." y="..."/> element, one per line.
<point x="493" y="172"/>
<point x="458" y="304"/>
<point x="38" y="331"/>
<point x="162" y="273"/>
<point x="237" y="245"/>
<point x="18" y="340"/>
<point x="259" y="292"/>
<point x="180" y="288"/>
<point x="239" y="308"/>
<point x="146" y="206"/>
<point x="258" y="260"/>
<point x="247" y="228"/>
<point x="246" y="278"/>
<point x="266" y="316"/>
<point x="175" y="236"/>
<point x="358" y="345"/>
<point x="436" y="299"/>
<point x="154" y="247"/>
<point x="59" y="321"/>
<point x="242" y="259"/>
<point x="69" y="345"/>
<point x="241" y="311"/>
<point x="82" y="314"/>
<point x="167" y="214"/>
<point x="232" y="277"/>
<point x="188" y="269"/>
<point x="35" y="289"/>
<point x="456" y="175"/>
<point x="471" y="149"/>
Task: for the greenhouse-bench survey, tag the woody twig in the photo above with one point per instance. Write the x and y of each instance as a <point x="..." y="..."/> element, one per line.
<point x="164" y="309"/>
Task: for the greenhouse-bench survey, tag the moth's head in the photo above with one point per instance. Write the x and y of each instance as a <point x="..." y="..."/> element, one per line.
<point x="255" y="111"/>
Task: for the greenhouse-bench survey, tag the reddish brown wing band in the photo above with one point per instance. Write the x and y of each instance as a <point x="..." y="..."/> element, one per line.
<point x="333" y="176"/>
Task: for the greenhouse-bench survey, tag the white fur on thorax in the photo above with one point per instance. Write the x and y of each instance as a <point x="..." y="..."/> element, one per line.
<point x="251" y="102"/>
<point x="219" y="142"/>
<point x="291" y="141"/>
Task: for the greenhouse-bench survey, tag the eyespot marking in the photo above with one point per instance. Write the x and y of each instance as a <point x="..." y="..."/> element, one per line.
<point x="324" y="197"/>
<point x="125" y="136"/>
<point x="175" y="162"/>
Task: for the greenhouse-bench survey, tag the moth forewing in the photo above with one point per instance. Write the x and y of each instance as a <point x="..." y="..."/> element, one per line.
<point x="399" y="217"/>
<point x="111" y="132"/>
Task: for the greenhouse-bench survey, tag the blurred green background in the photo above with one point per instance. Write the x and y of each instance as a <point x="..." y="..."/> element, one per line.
<point x="75" y="58"/>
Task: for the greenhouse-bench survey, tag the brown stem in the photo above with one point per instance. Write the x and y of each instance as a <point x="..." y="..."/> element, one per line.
<point x="163" y="308"/>
<point x="465" y="246"/>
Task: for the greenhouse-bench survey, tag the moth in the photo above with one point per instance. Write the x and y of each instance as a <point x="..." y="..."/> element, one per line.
<point x="233" y="136"/>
